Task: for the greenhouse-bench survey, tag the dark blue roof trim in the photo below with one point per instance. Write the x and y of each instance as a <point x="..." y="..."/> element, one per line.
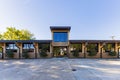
<point x="25" y="41"/>
<point x="60" y="27"/>
<point x="71" y="41"/>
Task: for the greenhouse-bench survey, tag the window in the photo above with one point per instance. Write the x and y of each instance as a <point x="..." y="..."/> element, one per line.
<point x="60" y="37"/>
<point x="28" y="46"/>
<point x="109" y="47"/>
<point x="92" y="46"/>
<point x="44" y="47"/>
<point x="77" y="47"/>
<point x="11" y="46"/>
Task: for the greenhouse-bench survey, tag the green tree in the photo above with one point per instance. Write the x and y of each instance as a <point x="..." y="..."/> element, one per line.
<point x="1" y="37"/>
<point x="26" y="35"/>
<point x="44" y="48"/>
<point x="15" y="34"/>
<point x="92" y="49"/>
<point x="76" y="49"/>
<point x="109" y="47"/>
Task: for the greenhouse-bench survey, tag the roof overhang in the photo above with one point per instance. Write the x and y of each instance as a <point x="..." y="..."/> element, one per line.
<point x="49" y="41"/>
<point x="94" y="41"/>
<point x="60" y="28"/>
<point x="25" y="41"/>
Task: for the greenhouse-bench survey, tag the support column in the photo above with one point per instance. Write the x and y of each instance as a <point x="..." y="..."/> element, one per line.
<point x="85" y="52"/>
<point x="100" y="49"/>
<point x="116" y="50"/>
<point x="20" y="49"/>
<point x="36" y="49"/>
<point x="85" y="49"/>
<point x="51" y="49"/>
<point x="68" y="51"/>
<point x="4" y="50"/>
<point x="83" y="45"/>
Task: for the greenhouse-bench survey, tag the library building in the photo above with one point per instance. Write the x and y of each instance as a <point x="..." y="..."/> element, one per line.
<point x="59" y="46"/>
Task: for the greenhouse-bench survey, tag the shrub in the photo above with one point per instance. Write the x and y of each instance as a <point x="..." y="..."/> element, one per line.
<point x="25" y="54"/>
<point x="43" y="54"/>
<point x="92" y="49"/>
<point x="112" y="53"/>
<point x="10" y="53"/>
<point x="75" y="53"/>
<point x="92" y="52"/>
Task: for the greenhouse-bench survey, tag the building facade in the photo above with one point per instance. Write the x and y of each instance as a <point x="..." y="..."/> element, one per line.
<point x="59" y="46"/>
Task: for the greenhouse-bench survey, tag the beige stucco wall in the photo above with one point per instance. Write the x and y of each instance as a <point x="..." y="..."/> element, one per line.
<point x="106" y="55"/>
<point x="20" y="46"/>
<point x="60" y="43"/>
<point x="16" y="55"/>
<point x="31" y="55"/>
<point x="81" y="55"/>
<point x="49" y="55"/>
<point x="37" y="50"/>
<point x="96" y="56"/>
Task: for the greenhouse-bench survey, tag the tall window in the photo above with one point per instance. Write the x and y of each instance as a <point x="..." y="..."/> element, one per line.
<point x="60" y="37"/>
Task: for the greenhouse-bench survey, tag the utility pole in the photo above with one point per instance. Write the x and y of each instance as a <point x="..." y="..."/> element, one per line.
<point x="113" y="37"/>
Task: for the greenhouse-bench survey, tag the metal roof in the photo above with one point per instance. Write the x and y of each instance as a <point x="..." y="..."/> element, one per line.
<point x="94" y="41"/>
<point x="25" y="41"/>
<point x="60" y="27"/>
<point x="71" y="41"/>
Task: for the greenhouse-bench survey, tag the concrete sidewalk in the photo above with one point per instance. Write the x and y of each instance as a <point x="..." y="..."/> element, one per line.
<point x="60" y="69"/>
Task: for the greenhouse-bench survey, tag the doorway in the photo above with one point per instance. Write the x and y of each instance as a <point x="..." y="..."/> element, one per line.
<point x="59" y="51"/>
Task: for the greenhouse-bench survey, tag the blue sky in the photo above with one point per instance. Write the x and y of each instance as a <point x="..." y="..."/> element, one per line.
<point x="89" y="19"/>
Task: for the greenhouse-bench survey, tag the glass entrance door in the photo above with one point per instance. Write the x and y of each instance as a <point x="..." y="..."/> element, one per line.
<point x="59" y="51"/>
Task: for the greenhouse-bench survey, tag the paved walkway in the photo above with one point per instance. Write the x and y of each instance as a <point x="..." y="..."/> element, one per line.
<point x="60" y="69"/>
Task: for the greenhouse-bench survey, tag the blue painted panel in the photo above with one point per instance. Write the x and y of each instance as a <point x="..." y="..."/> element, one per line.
<point x="60" y="37"/>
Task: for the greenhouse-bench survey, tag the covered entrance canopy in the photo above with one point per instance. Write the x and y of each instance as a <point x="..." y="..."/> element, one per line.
<point x="60" y="40"/>
<point x="59" y="51"/>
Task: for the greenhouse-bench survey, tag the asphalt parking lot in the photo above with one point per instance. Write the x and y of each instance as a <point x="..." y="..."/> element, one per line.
<point x="60" y="69"/>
